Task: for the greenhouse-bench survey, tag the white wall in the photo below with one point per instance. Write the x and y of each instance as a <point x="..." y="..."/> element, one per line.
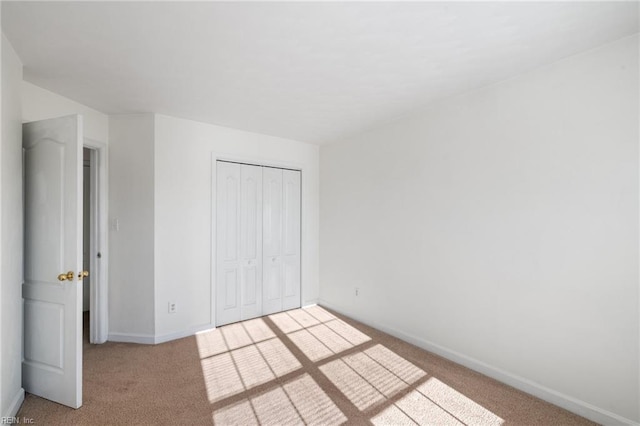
<point x="11" y="392"/>
<point x="131" y="248"/>
<point x="183" y="213"/>
<point x="40" y="104"/>
<point x="500" y="229"/>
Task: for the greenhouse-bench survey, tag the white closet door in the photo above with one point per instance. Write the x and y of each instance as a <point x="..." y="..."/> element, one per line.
<point x="227" y="243"/>
<point x="239" y="242"/>
<point x="257" y="240"/>
<point x="281" y="241"/>
<point x="272" y="240"/>
<point x="251" y="241"/>
<point x="291" y="239"/>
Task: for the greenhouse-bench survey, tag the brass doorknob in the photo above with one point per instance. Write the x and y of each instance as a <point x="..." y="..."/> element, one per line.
<point x="82" y="274"/>
<point x="68" y="276"/>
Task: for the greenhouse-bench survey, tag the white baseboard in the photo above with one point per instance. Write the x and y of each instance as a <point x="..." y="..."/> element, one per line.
<point x="149" y="339"/>
<point x="15" y="405"/>
<point x="183" y="333"/>
<point x="143" y="339"/>
<point x="567" y="402"/>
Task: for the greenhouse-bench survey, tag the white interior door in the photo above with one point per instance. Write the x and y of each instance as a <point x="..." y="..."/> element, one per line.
<point x="291" y="240"/>
<point x="52" y="290"/>
<point x="272" y="240"/>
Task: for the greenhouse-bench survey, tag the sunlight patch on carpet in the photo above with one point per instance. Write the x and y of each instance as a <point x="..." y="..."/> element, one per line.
<point x="424" y="411"/>
<point x="399" y="366"/>
<point x="330" y="338"/>
<point x="392" y="416"/>
<point x="233" y="336"/>
<point x="221" y="377"/>
<point x="433" y="402"/>
<point x="210" y="343"/>
<point x="236" y="336"/>
<point x="378" y="382"/>
<point x="230" y="373"/>
<point x="300" y="401"/>
<point x="359" y="391"/>
<point x="312" y="403"/>
<point x="320" y="314"/>
<point x="465" y="409"/>
<point x="258" y="330"/>
<point x="252" y="366"/>
<point x="379" y="377"/>
<point x="285" y="322"/>
<point x="312" y="348"/>
<point x="372" y="376"/>
<point x="351" y="334"/>
<point x="303" y="318"/>
<point x="279" y="358"/>
<point x="317" y="333"/>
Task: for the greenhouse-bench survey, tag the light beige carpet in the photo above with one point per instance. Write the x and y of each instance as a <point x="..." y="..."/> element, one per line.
<point x="306" y="366"/>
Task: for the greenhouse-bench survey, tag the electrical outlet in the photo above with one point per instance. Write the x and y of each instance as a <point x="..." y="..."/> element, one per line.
<point x="172" y="307"/>
<point x="357" y="291"/>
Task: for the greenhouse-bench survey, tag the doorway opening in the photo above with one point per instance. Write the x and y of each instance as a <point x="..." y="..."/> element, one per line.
<point x="86" y="242"/>
<point x="94" y="243"/>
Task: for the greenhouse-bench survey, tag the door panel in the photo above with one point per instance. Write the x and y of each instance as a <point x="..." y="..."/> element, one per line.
<point x="272" y="205"/>
<point x="251" y="241"/>
<point x="231" y="289"/>
<point x="230" y="217"/>
<point x="250" y="290"/>
<point x="45" y="346"/>
<point x="274" y="277"/>
<point x="44" y="184"/>
<point x="52" y="366"/>
<point x="291" y="240"/>
<point x="228" y="266"/>
<point x="272" y="260"/>
<point x="290" y="281"/>
<point x="291" y="237"/>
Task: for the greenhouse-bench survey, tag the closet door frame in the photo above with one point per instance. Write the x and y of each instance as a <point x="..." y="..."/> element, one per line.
<point x="254" y="161"/>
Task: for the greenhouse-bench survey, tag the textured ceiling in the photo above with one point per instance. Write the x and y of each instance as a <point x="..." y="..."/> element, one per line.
<point x="313" y="72"/>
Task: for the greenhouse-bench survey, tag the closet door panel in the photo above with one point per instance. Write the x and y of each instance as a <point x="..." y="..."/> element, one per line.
<point x="251" y="241"/>
<point x="230" y="291"/>
<point x="272" y="213"/>
<point x="274" y="278"/>
<point x="291" y="239"/>
<point x="228" y="308"/>
<point x="272" y="240"/>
